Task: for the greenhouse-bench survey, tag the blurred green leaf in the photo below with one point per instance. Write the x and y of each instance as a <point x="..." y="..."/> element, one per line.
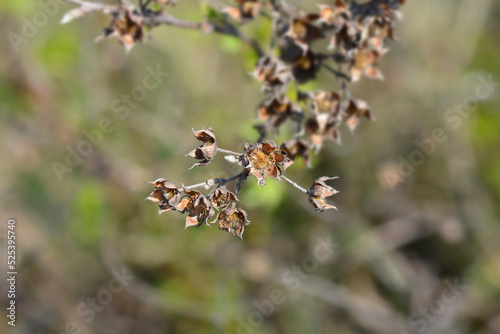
<point x="230" y="44"/>
<point x="87" y="214"/>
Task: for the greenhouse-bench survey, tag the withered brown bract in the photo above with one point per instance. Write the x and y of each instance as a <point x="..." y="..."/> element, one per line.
<point x="207" y="150"/>
<point x="233" y="221"/>
<point x="318" y="193"/>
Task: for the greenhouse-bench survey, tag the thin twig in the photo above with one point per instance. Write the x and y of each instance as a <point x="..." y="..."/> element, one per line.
<point x="222" y="182"/>
<point x="211" y="182"/>
<point x="155" y="19"/>
<point x="337" y="73"/>
<point x="294" y="184"/>
<point x="144" y="5"/>
<point x="228" y="152"/>
<point x="207" y="184"/>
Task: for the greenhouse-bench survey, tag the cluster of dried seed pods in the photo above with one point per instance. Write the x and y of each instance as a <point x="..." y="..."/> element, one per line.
<point x="356" y="34"/>
<point x="261" y="160"/>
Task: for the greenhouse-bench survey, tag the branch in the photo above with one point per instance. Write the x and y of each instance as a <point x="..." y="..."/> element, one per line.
<point x="294" y="184"/>
<point x="85" y="8"/>
<point x="211" y="182"/>
<point x="228" y="152"/>
<point x="336" y="73"/>
<point x="154" y="19"/>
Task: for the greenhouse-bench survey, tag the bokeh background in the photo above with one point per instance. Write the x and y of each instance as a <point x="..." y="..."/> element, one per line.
<point x="398" y="246"/>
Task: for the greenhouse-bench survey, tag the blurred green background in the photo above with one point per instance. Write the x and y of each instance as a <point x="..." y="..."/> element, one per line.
<point x="398" y="248"/>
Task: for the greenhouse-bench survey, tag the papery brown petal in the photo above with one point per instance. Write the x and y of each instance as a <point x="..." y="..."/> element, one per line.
<point x="156" y="196"/>
<point x="164" y="207"/>
<point x="183" y="205"/>
<point x="373" y="73"/>
<point x="206" y="136"/>
<point x="272" y="172"/>
<point x="326" y="178"/>
<point x="240" y="230"/>
<point x="233" y="12"/>
<point x="192" y="221"/>
<point x="353" y="122"/>
<point x="278" y="157"/>
<point x="355" y="74"/>
<point x="261" y="179"/>
<point x="196" y="153"/>
<point x="268" y="147"/>
<point x="191" y="192"/>
<point x="208" y="151"/>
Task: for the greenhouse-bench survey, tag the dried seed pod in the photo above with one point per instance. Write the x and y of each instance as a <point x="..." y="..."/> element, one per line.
<point x="320" y="128"/>
<point x="264" y="159"/>
<point x="207" y="150"/>
<point x="296" y="148"/>
<point x="353" y="110"/>
<point x="221" y="198"/>
<point x="127" y="25"/>
<point x="165" y="194"/>
<point x="273" y="74"/>
<point x="233" y="220"/>
<point x="306" y="67"/>
<point x="318" y="193"/>
<point x="363" y="63"/>
<point x="198" y="207"/>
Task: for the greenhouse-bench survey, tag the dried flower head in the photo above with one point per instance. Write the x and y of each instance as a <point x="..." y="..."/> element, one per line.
<point x="353" y="110"/>
<point x="326" y="102"/>
<point x="289" y="49"/>
<point x="296" y="148"/>
<point x="275" y="111"/>
<point x="221" y="198"/>
<point x="272" y="72"/>
<point x="318" y="193"/>
<point x="127" y="25"/>
<point x="303" y="32"/>
<point x="233" y="221"/>
<point x="320" y="128"/>
<point x="264" y="159"/>
<point x="165" y="194"/>
<point x="346" y="37"/>
<point x="198" y="207"/>
<point x="363" y="63"/>
<point x="375" y="31"/>
<point x="305" y="67"/>
<point x="207" y="150"/>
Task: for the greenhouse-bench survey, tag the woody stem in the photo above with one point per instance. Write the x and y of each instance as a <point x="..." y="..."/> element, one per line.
<point x="336" y="73"/>
<point x="207" y="184"/>
<point x="294" y="184"/>
<point x="224" y="181"/>
<point x="154" y="19"/>
<point x="144" y="5"/>
<point x="211" y="182"/>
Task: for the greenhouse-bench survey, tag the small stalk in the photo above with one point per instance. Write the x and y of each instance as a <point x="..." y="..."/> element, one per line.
<point x="228" y="152"/>
<point x="295" y="184"/>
